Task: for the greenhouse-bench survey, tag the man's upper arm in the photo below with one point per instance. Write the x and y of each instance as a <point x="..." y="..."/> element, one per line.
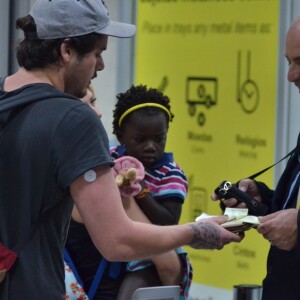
<point x="99" y="204"/>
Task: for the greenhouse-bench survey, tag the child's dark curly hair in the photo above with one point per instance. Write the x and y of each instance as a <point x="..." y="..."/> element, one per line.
<point x="137" y="95"/>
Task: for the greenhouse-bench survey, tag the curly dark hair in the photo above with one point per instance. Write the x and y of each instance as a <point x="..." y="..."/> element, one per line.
<point x="33" y="52"/>
<point x="137" y="95"/>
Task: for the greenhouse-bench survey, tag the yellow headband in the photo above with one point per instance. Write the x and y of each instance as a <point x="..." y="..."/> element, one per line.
<point x="136" y="107"/>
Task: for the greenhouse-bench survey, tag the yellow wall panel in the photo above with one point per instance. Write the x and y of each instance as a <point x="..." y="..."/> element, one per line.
<point x="217" y="61"/>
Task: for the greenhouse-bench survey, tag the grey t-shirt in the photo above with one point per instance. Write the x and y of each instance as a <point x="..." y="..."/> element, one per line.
<point x="44" y="147"/>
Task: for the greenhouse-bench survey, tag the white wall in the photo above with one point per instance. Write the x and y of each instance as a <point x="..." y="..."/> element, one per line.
<point x="117" y="75"/>
<point x="4" y="20"/>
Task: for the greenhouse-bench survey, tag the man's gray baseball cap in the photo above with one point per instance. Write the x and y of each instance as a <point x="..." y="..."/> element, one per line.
<point x="70" y="18"/>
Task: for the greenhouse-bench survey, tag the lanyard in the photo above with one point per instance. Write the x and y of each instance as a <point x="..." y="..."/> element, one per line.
<point x="266" y="169"/>
<point x="296" y="179"/>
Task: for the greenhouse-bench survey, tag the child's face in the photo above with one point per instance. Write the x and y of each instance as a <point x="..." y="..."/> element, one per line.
<point x="144" y="137"/>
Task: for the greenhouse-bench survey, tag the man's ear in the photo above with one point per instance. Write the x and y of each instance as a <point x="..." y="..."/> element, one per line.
<point x="65" y="51"/>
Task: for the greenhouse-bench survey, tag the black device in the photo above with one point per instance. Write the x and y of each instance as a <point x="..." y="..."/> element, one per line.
<point x="227" y="190"/>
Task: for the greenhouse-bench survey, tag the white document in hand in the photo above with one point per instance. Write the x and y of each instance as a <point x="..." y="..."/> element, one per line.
<point x="239" y="220"/>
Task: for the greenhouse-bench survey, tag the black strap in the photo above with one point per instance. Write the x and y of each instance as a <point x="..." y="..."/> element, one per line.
<point x="266" y="169"/>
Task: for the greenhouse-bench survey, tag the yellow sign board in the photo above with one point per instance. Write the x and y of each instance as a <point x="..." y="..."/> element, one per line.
<point x="217" y="61"/>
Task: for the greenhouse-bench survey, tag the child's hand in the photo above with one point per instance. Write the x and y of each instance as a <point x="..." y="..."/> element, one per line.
<point x="128" y="172"/>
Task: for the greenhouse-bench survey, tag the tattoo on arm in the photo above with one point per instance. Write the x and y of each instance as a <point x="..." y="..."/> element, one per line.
<point x="206" y="236"/>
